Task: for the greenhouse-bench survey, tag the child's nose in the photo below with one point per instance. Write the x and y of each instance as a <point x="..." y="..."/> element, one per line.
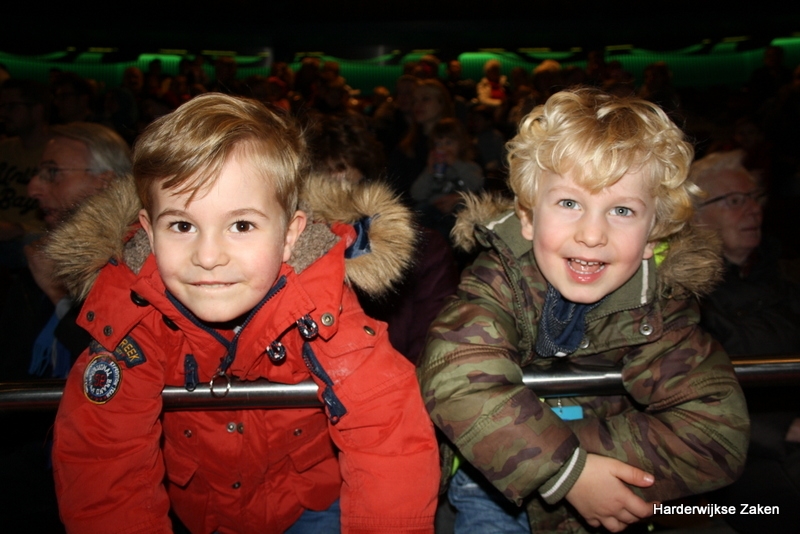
<point x="210" y="252"/>
<point x="591" y="231"/>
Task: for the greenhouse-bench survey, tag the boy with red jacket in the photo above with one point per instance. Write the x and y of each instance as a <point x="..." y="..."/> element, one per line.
<point x="224" y="277"/>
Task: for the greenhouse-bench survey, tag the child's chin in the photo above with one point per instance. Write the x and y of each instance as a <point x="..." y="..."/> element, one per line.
<point x="581" y="297"/>
<point x="220" y="321"/>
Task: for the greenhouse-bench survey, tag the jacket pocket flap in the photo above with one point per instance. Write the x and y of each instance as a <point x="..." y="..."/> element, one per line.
<point x="180" y="468"/>
<point x="317" y="448"/>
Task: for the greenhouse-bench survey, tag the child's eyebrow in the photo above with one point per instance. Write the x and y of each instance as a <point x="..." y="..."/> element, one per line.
<point x="631" y="200"/>
<point x="170" y="213"/>
<point x="563" y="189"/>
<point x="242" y="212"/>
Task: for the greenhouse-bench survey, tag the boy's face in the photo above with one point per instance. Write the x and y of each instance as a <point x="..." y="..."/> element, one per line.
<point x="588" y="245"/>
<point x="220" y="254"/>
<point x="447" y="148"/>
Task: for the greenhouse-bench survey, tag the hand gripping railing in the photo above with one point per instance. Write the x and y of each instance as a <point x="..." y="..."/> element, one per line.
<point x="562" y="379"/>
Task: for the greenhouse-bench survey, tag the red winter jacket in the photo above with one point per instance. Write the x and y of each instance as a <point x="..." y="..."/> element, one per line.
<point x="120" y="463"/>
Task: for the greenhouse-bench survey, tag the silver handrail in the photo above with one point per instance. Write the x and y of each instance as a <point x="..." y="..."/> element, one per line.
<point x="562" y="379"/>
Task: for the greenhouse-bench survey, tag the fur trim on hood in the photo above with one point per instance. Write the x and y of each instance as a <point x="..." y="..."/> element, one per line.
<point x="100" y="231"/>
<point x="691" y="264"/>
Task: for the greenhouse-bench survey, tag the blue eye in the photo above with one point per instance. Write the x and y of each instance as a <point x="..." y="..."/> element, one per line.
<point x="568" y="203"/>
<point x="622" y="211"/>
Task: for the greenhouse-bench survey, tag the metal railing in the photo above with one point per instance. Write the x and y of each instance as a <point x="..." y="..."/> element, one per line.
<point x="562" y="379"/>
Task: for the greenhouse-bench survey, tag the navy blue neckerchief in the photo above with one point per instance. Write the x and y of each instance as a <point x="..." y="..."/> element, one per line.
<point x="229" y="345"/>
<point x="562" y="325"/>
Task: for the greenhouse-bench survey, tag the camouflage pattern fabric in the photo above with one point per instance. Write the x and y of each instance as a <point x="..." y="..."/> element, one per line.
<point x="684" y="418"/>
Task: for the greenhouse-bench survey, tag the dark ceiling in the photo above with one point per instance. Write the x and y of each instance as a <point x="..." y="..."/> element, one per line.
<point x="356" y="27"/>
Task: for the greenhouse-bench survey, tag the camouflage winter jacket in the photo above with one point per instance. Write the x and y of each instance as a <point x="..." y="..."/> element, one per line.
<point x="683" y="419"/>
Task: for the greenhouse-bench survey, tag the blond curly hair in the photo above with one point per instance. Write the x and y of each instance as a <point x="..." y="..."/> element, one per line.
<point x="600" y="138"/>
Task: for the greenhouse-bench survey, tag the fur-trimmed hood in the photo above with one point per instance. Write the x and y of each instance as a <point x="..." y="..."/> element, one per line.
<point x="100" y="231"/>
<point x="691" y="262"/>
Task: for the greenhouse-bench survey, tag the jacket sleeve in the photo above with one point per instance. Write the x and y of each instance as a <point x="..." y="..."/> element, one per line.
<point x="472" y="386"/>
<point x="692" y="427"/>
<point x="388" y="453"/>
<point x="106" y="458"/>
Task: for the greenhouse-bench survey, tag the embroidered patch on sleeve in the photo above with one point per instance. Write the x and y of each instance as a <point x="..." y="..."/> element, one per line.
<point x="130" y="352"/>
<point x="102" y="378"/>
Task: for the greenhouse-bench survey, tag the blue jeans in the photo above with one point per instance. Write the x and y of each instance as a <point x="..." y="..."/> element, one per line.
<point x="318" y="522"/>
<point x="482" y="509"/>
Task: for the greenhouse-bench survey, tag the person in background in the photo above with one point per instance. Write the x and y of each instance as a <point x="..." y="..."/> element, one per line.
<point x="492" y="87"/>
<point x="394" y="117"/>
<point x="80" y="160"/>
<point x="73" y="99"/>
<point x="38" y="334"/>
<point x="431" y="104"/>
<point x="450" y="171"/>
<point x="225" y="77"/>
<point x="489" y="142"/>
<point x="459" y="87"/>
<point x="754" y="312"/>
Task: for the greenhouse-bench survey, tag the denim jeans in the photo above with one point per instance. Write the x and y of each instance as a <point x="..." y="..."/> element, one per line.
<point x="482" y="509"/>
<point x="318" y="522"/>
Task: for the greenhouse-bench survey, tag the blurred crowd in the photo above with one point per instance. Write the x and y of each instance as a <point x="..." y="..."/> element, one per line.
<point x="434" y="135"/>
<point x="391" y="126"/>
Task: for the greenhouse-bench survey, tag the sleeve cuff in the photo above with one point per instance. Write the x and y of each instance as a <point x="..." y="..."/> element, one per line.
<point x="559" y="485"/>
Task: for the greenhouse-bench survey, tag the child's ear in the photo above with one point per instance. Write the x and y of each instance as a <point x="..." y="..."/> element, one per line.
<point x="293" y="231"/>
<point x="648" y="250"/>
<point x="144" y="220"/>
<point x="526" y="219"/>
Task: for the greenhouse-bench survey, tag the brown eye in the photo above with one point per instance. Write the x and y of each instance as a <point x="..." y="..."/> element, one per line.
<point x="243" y="226"/>
<point x="182" y="227"/>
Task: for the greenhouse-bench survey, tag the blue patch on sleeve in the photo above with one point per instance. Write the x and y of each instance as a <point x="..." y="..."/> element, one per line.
<point x="130" y="352"/>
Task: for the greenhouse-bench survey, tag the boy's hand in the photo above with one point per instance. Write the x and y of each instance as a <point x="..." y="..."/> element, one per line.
<point x="601" y="497"/>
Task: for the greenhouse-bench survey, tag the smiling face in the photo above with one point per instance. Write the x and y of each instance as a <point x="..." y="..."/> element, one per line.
<point x="588" y="245"/>
<point x="221" y="253"/>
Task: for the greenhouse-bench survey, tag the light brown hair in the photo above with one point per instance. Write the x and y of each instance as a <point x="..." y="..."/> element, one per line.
<point x="185" y="150"/>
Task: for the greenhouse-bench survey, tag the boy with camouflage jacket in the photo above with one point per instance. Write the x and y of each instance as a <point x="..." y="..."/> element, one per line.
<point x="596" y="265"/>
